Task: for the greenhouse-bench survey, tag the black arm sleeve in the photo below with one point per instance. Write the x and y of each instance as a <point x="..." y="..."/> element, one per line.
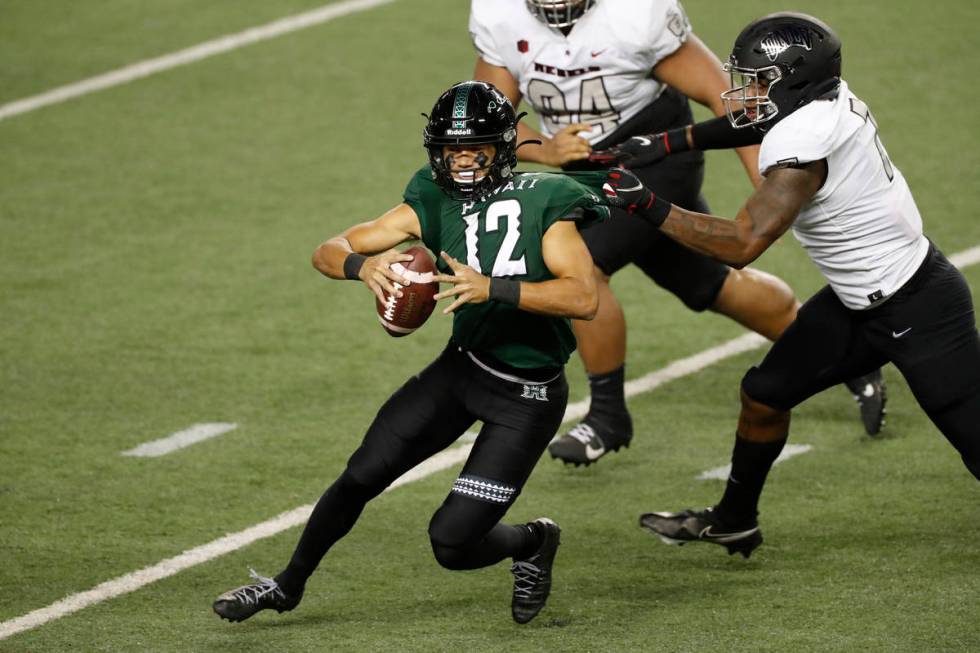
<point x="718" y="134"/>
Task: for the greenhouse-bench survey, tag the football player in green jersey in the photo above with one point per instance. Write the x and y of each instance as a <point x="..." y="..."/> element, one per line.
<point x="518" y="270"/>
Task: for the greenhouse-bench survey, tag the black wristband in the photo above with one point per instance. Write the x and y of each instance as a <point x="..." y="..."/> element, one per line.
<point x="675" y="140"/>
<point x="718" y="134"/>
<point x="654" y="210"/>
<point x="505" y="290"/>
<point x="352" y="265"/>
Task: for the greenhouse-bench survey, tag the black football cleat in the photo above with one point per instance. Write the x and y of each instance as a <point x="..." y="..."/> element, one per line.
<point x="869" y="393"/>
<point x="590" y="440"/>
<point x="532" y="576"/>
<point x="265" y="594"/>
<point x="702" y="526"/>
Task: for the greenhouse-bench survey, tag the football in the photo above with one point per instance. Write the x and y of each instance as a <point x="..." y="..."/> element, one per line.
<point x="401" y="316"/>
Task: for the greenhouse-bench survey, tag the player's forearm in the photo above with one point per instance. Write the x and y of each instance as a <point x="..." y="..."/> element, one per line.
<point x="569" y="297"/>
<point x="728" y="241"/>
<point x="718" y="134"/>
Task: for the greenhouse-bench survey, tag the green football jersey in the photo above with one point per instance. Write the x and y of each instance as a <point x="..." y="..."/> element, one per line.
<point x="500" y="235"/>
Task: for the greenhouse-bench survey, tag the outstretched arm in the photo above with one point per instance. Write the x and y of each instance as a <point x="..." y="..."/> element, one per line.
<point x="695" y="71"/>
<point x="571" y="294"/>
<point x="766" y="216"/>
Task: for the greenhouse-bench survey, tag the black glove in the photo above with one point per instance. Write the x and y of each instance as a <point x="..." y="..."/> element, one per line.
<point x="624" y="190"/>
<point x="645" y="150"/>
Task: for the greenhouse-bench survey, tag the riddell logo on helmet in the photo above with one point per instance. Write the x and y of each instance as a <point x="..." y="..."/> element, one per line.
<point x="775" y="43"/>
<point x="458" y="132"/>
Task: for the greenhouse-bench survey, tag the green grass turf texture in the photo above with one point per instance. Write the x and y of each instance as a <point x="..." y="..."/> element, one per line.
<point x="155" y="240"/>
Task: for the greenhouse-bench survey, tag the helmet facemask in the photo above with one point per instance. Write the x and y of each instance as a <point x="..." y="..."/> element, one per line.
<point x="474" y="182"/>
<point x="748" y="102"/>
<point x="780" y="63"/>
<point x="560" y="14"/>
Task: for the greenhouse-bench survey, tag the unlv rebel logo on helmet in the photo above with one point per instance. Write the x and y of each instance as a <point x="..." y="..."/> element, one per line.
<point x="778" y="42"/>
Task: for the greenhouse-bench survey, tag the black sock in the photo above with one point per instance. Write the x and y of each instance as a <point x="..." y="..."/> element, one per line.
<point x="751" y="462"/>
<point x="529" y="540"/>
<point x="608" y="404"/>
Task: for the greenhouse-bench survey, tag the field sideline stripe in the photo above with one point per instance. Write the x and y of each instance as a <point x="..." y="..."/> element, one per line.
<point x="137" y="579"/>
<point x="198" y="52"/>
<point x="196" y="433"/>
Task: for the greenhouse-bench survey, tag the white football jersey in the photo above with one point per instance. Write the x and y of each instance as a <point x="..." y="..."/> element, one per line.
<point x="862" y="228"/>
<point x="599" y="74"/>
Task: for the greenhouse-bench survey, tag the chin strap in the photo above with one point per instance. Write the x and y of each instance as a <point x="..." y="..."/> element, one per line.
<point x="532" y="141"/>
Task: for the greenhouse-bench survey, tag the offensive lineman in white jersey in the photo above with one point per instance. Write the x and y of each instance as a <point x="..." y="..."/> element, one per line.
<point x="598" y="72"/>
<point x="892" y="295"/>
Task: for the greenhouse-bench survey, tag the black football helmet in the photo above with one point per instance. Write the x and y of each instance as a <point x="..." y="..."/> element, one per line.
<point x="472" y="113"/>
<point x="779" y="63"/>
<point x="559" y="13"/>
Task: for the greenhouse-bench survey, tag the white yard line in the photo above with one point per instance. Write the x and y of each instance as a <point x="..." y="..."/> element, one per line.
<point x="966" y="258"/>
<point x="190" y="55"/>
<point x="137" y="579"/>
<point x="180" y="439"/>
<point x="788" y="452"/>
<point x="201" y="554"/>
<point x="232" y="542"/>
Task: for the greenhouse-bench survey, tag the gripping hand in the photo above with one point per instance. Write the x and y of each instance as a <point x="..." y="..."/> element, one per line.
<point x="624" y="190"/>
<point x="635" y="152"/>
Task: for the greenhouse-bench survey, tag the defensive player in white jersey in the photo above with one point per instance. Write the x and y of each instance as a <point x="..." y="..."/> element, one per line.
<point x="598" y="72"/>
<point x="891" y="294"/>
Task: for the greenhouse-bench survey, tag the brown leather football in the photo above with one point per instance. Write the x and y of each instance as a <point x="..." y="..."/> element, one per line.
<point x="402" y="315"/>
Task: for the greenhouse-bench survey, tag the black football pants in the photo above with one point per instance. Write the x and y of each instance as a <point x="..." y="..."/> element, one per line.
<point x="426" y="415"/>
<point x="927" y="329"/>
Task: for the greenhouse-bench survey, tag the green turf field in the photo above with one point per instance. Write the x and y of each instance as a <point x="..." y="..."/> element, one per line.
<point x="154" y="265"/>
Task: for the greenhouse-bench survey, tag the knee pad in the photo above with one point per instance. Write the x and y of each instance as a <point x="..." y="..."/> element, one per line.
<point x="450" y="558"/>
<point x="448" y="538"/>
<point x="472" y="509"/>
<point x="765" y="389"/>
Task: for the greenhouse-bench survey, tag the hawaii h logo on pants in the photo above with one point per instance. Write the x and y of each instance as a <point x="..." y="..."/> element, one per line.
<point x="539" y="392"/>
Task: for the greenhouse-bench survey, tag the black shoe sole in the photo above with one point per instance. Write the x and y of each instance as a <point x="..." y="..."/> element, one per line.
<point x="579" y="463"/>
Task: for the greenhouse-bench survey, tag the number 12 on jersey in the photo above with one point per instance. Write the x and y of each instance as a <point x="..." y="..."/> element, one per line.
<point x="503" y="266"/>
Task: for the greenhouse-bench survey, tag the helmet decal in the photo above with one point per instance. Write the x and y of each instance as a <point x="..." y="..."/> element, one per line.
<point x="777" y="42"/>
<point x="459" y="107"/>
<point x="779" y="63"/>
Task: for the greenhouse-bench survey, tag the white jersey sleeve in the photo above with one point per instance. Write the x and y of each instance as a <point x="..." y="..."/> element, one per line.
<point x="598" y="74"/>
<point x="482" y="29"/>
<point x="787" y="144"/>
<point x="862" y="228"/>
